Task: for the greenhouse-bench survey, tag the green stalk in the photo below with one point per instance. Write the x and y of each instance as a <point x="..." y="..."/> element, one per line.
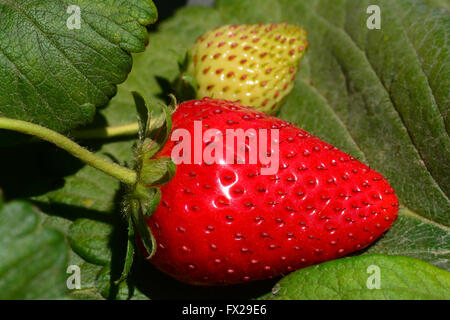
<point x="107" y="132"/>
<point x="125" y="175"/>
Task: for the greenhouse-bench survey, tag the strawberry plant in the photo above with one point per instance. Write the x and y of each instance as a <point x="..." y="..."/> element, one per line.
<point x="102" y="195"/>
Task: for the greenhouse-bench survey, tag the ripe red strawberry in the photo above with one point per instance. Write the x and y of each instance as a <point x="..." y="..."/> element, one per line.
<point x="255" y="64"/>
<point x="226" y="223"/>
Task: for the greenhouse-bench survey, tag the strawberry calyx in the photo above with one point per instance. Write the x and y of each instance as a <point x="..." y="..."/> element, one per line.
<point x="143" y="197"/>
<point x="185" y="85"/>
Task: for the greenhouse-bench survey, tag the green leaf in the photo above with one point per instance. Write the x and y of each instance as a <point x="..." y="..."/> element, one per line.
<point x="56" y="76"/>
<point x="33" y="258"/>
<point x="416" y="237"/>
<point x="87" y="207"/>
<point x="155" y="69"/>
<point x="309" y="110"/>
<point x="88" y="276"/>
<point x="123" y="291"/>
<point x="87" y="188"/>
<point x="438" y="4"/>
<point x="91" y="240"/>
<point x="96" y="284"/>
<point x="356" y="278"/>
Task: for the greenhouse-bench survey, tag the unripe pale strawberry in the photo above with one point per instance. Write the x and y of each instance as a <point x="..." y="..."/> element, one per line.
<point x="253" y="64"/>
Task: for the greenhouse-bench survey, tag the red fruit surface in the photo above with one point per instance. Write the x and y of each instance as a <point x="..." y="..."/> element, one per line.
<point x="224" y="224"/>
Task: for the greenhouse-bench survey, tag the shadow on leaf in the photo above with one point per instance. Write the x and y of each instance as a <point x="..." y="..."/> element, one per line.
<point x="157" y="285"/>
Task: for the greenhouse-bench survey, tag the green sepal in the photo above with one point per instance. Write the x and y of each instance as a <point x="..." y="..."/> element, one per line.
<point x="157" y="172"/>
<point x="184" y="61"/>
<point x="110" y="289"/>
<point x="173" y="103"/>
<point x="143" y="114"/>
<point x="129" y="257"/>
<point x="185" y="86"/>
<point x="143" y="200"/>
<point x="149" y="198"/>
<point x="141" y="227"/>
<point x="158" y="133"/>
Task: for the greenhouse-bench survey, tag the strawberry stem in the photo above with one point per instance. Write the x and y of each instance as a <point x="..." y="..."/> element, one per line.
<point x="125" y="175"/>
<point x="107" y="132"/>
